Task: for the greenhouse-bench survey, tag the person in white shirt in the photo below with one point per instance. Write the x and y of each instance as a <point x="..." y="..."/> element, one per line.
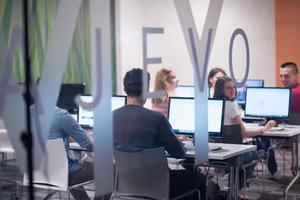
<point x="225" y="89"/>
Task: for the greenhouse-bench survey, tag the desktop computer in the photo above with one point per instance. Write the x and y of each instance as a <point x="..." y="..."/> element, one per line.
<point x="67" y="94"/>
<point x="241" y="92"/>
<point x="268" y="102"/>
<point x="86" y="117"/>
<point x="182" y="115"/>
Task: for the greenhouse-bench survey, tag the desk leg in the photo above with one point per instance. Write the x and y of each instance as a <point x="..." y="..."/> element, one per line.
<point x="295" y="166"/>
<point x="231" y="183"/>
<point x="290" y="185"/>
<point x="237" y="184"/>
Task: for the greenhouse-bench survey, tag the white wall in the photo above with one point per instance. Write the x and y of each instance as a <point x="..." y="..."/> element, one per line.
<point x="255" y="17"/>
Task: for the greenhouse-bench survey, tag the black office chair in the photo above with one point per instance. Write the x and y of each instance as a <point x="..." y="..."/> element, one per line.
<point x="232" y="134"/>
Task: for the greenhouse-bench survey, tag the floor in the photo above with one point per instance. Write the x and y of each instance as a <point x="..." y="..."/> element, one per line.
<point x="260" y="189"/>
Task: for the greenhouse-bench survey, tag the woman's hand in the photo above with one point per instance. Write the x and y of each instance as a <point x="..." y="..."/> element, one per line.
<point x="269" y="125"/>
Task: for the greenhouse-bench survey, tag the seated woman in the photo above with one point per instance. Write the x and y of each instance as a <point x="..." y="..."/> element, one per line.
<point x="213" y="76"/>
<point x="165" y="80"/>
<point x="225" y="89"/>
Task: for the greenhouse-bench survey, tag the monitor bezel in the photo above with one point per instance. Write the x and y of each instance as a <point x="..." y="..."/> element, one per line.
<point x="263" y="85"/>
<point x="215" y="134"/>
<point x="270" y="117"/>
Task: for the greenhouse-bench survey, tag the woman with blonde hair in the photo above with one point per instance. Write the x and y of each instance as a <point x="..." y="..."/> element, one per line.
<point x="166" y="81"/>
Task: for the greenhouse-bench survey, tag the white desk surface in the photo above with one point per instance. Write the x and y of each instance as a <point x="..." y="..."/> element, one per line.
<point x="287" y="131"/>
<point x="227" y="151"/>
<point x="3" y="131"/>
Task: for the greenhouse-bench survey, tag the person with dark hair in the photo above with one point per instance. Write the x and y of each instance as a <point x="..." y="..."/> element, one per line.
<point x="213" y="76"/>
<point x="138" y="127"/>
<point x="225" y="89"/>
<point x="289" y="78"/>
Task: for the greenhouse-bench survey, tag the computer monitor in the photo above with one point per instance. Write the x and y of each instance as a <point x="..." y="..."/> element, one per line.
<point x="241" y="92"/>
<point x="117" y="101"/>
<point x="86" y="117"/>
<point x="269" y="102"/>
<point x="67" y="94"/>
<point x="182" y="115"/>
<point x="184" y="91"/>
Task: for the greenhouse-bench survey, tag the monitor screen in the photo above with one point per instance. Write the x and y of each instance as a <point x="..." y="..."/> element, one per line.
<point x="184" y="91"/>
<point x="182" y="115"/>
<point x="241" y="92"/>
<point x="86" y="117"/>
<point x="67" y="94"/>
<point x="268" y="102"/>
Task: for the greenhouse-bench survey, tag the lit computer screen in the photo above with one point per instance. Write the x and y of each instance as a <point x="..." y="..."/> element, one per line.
<point x="67" y="94"/>
<point x="182" y="115"/>
<point x="118" y="101"/>
<point x="184" y="91"/>
<point x="241" y="92"/>
<point x="268" y="102"/>
<point x="86" y="117"/>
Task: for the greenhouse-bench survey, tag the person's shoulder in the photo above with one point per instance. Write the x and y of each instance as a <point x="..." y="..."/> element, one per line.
<point x="297" y="89"/>
<point x="232" y="104"/>
<point x="58" y="110"/>
<point x="153" y="113"/>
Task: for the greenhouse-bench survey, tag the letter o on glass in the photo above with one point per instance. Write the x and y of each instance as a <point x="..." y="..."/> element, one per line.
<point x="241" y="32"/>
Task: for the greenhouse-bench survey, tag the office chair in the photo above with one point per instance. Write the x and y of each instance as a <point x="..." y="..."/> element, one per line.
<point x="5" y="147"/>
<point x="143" y="174"/>
<point x="232" y="134"/>
<point x="294" y="119"/>
<point x="53" y="173"/>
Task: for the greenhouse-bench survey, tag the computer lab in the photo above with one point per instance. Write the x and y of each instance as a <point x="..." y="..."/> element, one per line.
<point x="150" y="99"/>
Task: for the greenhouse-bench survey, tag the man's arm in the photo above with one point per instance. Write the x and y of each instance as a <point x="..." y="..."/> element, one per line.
<point x="169" y="140"/>
<point x="73" y="129"/>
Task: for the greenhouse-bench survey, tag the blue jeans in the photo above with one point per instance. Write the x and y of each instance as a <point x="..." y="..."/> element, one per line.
<point x="264" y="144"/>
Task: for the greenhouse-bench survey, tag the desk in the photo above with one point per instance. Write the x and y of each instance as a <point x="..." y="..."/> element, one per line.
<point x="76" y="147"/>
<point x="231" y="155"/>
<point x="291" y="132"/>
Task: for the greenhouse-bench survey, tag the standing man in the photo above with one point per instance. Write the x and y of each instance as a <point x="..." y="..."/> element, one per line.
<point x="289" y="78"/>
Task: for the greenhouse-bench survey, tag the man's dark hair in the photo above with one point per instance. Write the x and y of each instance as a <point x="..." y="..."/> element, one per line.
<point x="220" y="86"/>
<point x="133" y="82"/>
<point x="290" y="65"/>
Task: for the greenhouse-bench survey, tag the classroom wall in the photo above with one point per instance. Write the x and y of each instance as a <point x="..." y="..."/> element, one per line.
<point x="287" y="33"/>
<point x="255" y="17"/>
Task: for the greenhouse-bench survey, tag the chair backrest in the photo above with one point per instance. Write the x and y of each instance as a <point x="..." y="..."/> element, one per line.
<point x="294" y="119"/>
<point x="5" y="144"/>
<point x="143" y="174"/>
<point x="232" y="134"/>
<point x="53" y="170"/>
